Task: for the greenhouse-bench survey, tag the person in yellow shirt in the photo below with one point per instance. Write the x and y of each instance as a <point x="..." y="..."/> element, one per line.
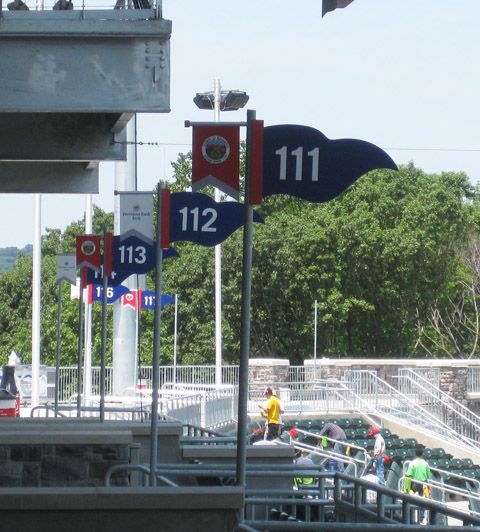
<point x="271" y="411"/>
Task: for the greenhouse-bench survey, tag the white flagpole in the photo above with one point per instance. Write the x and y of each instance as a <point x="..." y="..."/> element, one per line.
<point x="36" y="297"/>
<point x="175" y="343"/>
<point x="87" y="362"/>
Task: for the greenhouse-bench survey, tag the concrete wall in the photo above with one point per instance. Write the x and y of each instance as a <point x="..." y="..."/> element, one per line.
<point x="119" y="509"/>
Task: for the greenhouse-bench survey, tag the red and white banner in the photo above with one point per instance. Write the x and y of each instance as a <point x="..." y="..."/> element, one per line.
<point x="216" y="158"/>
<point x="89" y="253"/>
<point x="133" y="299"/>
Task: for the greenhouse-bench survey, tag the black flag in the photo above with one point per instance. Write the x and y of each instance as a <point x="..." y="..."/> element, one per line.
<point x="330" y="5"/>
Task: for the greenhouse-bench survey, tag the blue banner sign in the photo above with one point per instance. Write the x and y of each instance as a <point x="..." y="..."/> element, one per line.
<point x="198" y="218"/>
<point x="131" y="255"/>
<point x="148" y="300"/>
<point x="301" y="161"/>
<point x="113" y="292"/>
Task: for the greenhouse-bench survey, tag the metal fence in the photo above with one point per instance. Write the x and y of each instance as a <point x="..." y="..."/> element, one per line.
<point x="114" y="9"/>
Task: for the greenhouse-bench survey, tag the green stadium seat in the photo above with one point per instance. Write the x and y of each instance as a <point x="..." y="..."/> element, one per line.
<point x="318" y="423"/>
<point x="361" y="433"/>
<point x="345" y="423"/>
<point x="358" y="423"/>
<point x="410" y="442"/>
<point x="432" y="462"/>
<point x="305" y="424"/>
<point x="427" y="453"/>
<point x="350" y="433"/>
<point x="389" y="443"/>
<point x="457" y="463"/>
<point x="398" y="443"/>
<point x="409" y="454"/>
<point x="437" y="452"/>
<point x="386" y="433"/>
<point x="445" y="464"/>
<point x="361" y="443"/>
<point x="467" y="462"/>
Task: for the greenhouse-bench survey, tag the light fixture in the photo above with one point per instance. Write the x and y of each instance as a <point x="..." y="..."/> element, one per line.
<point x="229" y="100"/>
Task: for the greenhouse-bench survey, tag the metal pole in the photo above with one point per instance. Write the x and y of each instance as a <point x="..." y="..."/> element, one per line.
<point x="315" y="340"/>
<point x="36" y="297"/>
<point x="245" y="318"/>
<point x="80" y="348"/>
<point x="59" y="339"/>
<point x="175" y="341"/>
<point x="156" y="340"/>
<point x="87" y="362"/>
<point x="104" y="328"/>
<point x="218" y="263"/>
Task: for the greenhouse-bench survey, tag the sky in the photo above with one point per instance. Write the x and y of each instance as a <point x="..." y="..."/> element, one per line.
<point x="402" y="74"/>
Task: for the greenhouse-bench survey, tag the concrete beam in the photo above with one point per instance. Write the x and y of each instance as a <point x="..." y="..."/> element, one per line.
<point x="84" y="61"/>
<point x="62" y="137"/>
<point x="46" y="177"/>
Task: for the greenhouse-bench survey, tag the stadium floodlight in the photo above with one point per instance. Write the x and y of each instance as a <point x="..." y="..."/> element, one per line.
<point x="232" y="100"/>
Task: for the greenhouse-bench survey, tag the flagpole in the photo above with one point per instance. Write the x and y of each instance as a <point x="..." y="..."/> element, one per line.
<point x="218" y="264"/>
<point x="80" y="346"/>
<point x="59" y="338"/>
<point x="156" y="341"/>
<point x="245" y="317"/>
<point x="105" y="272"/>
<point x="36" y="297"/>
<point x="175" y="342"/>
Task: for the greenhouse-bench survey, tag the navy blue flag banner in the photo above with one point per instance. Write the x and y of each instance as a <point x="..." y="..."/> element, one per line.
<point x="301" y="161"/>
<point x="148" y="300"/>
<point x="130" y="256"/>
<point x="95" y="293"/>
<point x="331" y="5"/>
<point x="198" y="218"/>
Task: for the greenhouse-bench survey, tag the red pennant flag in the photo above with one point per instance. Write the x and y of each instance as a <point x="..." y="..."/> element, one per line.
<point x="216" y="158"/>
<point x="89" y="252"/>
<point x="133" y="299"/>
<point x="331" y="5"/>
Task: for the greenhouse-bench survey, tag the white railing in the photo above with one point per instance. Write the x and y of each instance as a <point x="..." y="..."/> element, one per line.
<point x="387" y="400"/>
<point x="442" y="405"/>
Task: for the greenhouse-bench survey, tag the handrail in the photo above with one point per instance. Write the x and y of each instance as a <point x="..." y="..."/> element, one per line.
<point x="466" y="416"/>
<point x="415" y="412"/>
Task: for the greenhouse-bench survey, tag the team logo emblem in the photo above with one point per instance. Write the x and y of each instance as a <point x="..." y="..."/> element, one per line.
<point x="88" y="247"/>
<point x="215" y="149"/>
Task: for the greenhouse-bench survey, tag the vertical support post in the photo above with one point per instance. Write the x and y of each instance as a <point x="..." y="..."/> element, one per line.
<point x="36" y="296"/>
<point x="80" y="347"/>
<point x="175" y="341"/>
<point x="245" y="318"/>
<point x="87" y="360"/>
<point x="218" y="262"/>
<point x="59" y="339"/>
<point x="156" y="340"/>
<point x="104" y="326"/>
<point x="315" y="341"/>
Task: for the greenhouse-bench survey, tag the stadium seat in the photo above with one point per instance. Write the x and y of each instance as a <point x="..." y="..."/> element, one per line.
<point x="358" y="423"/>
<point x="345" y="423"/>
<point x="361" y="433"/>
<point x="398" y="443"/>
<point x="350" y="433"/>
<point x="445" y="464"/>
<point x="467" y="462"/>
<point x="457" y="463"/>
<point x="437" y="452"/>
<point x="386" y="433"/>
<point x="432" y="462"/>
<point x="410" y="442"/>
<point x="427" y="453"/>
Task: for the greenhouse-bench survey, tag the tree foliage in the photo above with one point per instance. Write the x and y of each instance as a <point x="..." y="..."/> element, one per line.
<point x="382" y="261"/>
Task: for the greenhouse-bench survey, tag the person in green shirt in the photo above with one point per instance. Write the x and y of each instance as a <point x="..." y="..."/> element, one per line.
<point x="418" y="470"/>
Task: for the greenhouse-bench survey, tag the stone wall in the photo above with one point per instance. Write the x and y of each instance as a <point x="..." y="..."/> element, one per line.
<point x="451" y="376"/>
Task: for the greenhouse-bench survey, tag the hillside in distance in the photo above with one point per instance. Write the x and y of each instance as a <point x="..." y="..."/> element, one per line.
<point x="9" y="255"/>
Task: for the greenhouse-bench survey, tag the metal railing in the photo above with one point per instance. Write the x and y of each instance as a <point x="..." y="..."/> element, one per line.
<point x="384" y="399"/>
<point x="440" y="404"/>
<point x="151" y="7"/>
